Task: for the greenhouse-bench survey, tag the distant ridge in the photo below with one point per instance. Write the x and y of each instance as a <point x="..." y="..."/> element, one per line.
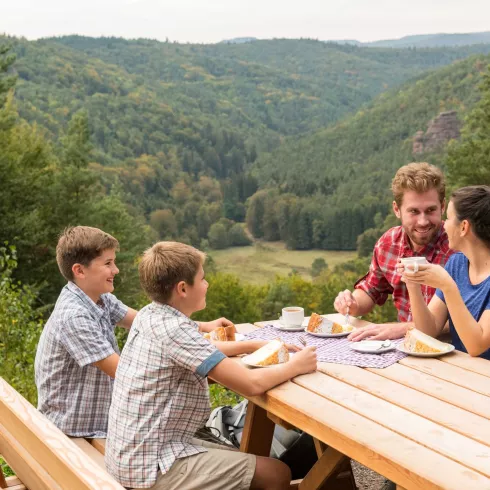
<point x="238" y="40"/>
<point x="425" y="41"/>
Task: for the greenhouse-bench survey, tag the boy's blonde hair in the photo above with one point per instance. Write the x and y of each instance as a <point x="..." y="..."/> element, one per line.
<point x="166" y="264"/>
<point x="418" y="177"/>
<point x="81" y="245"/>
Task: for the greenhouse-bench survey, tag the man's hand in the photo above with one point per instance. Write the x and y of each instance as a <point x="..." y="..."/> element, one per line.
<point x="346" y="299"/>
<point x="386" y="331"/>
<point x="220" y="322"/>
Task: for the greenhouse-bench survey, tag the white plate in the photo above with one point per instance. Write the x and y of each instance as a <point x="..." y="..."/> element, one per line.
<point x="450" y="348"/>
<point x="371" y="346"/>
<point x="244" y="359"/>
<point x="239" y="337"/>
<point x="328" y="335"/>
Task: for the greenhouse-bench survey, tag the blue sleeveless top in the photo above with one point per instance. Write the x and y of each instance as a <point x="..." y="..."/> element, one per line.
<point x="475" y="296"/>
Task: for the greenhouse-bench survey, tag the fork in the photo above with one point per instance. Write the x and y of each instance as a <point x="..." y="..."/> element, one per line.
<point x="347" y="318"/>
<point x="303" y="341"/>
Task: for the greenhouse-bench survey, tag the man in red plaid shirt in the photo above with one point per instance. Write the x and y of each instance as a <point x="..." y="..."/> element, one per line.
<point x="419" y="202"/>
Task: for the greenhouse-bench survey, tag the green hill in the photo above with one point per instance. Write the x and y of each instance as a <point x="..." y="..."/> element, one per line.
<point x="342" y="174"/>
<point x="434" y="40"/>
<point x="176" y="127"/>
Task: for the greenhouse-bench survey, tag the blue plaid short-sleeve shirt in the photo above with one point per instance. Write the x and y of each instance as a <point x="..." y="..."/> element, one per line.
<point x="72" y="393"/>
<point x="161" y="396"/>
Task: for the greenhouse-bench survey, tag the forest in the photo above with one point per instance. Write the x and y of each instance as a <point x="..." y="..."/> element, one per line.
<point x="215" y="146"/>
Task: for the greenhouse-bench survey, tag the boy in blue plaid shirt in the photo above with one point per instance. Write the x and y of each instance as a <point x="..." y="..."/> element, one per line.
<point x="161" y="392"/>
<point x="77" y="353"/>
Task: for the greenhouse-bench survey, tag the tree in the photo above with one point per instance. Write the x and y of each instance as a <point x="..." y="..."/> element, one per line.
<point x="164" y="223"/>
<point x="318" y="265"/>
<point x="238" y="237"/>
<point x="468" y="160"/>
<point x="218" y="236"/>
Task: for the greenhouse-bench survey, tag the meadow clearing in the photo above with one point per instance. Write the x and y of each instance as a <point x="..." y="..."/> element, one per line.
<point x="262" y="261"/>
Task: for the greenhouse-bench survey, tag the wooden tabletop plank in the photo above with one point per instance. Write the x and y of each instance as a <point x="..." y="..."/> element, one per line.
<point x="454" y="374"/>
<point x="425" y="405"/>
<point x="457" y="447"/>
<point x="396" y="457"/>
<point x="465" y="361"/>
<point x="437" y="388"/>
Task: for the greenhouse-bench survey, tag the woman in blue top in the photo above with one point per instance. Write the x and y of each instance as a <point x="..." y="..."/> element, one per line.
<point x="463" y="287"/>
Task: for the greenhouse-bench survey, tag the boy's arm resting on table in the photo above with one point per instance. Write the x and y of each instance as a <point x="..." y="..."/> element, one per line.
<point x="253" y="382"/>
<point x="127" y="321"/>
<point x="108" y="365"/>
<point x="231" y="349"/>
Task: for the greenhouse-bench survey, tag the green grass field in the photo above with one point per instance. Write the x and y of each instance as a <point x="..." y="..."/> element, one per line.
<point x="262" y="261"/>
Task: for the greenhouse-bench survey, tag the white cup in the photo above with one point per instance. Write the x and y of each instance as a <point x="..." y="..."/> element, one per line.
<point x="412" y="263"/>
<point x="292" y="316"/>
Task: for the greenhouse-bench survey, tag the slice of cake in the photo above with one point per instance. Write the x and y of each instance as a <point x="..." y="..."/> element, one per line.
<point x="223" y="334"/>
<point x="417" y="341"/>
<point x="274" y="352"/>
<point x="319" y="324"/>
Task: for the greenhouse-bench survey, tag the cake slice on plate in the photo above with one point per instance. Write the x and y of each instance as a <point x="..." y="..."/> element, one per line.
<point x="223" y="334"/>
<point x="417" y="341"/>
<point x="274" y="352"/>
<point x="320" y="324"/>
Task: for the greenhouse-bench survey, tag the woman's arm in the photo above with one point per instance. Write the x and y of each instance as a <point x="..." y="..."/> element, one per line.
<point x="431" y="318"/>
<point x="474" y="335"/>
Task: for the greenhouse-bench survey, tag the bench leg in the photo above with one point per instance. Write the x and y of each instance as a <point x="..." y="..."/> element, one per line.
<point x="3" y="483"/>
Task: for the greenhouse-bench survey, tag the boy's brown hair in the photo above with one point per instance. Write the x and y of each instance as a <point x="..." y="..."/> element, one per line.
<point x="81" y="245"/>
<point x="418" y="177"/>
<point x="166" y="264"/>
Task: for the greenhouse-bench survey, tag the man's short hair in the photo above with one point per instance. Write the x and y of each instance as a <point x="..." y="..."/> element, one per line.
<point x="81" y="245"/>
<point x="166" y="264"/>
<point x="418" y="177"/>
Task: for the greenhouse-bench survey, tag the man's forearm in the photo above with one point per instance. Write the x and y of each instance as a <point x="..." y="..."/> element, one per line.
<point x="365" y="303"/>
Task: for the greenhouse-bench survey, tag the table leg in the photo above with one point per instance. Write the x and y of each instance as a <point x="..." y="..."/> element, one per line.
<point x="257" y="432"/>
<point x="332" y="471"/>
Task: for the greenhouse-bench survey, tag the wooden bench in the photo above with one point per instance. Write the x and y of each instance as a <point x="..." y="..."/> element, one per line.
<point x="41" y="456"/>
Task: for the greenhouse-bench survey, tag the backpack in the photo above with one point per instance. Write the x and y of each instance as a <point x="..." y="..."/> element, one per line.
<point x="293" y="447"/>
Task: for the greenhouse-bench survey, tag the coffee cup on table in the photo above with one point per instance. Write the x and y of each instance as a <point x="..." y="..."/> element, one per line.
<point x="412" y="264"/>
<point x="292" y="316"/>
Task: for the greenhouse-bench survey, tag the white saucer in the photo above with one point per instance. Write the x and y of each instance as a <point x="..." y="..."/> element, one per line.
<point x="328" y="335"/>
<point x="248" y="364"/>
<point x="371" y="346"/>
<point x="449" y="349"/>
<point x="290" y="328"/>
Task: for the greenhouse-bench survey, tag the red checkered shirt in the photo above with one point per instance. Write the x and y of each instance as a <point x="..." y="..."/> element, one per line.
<point x="382" y="278"/>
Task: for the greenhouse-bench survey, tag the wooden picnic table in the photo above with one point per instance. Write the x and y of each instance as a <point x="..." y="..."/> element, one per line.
<point x="424" y="423"/>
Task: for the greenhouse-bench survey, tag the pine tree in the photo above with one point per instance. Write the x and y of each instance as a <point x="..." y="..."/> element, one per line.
<point x="468" y="160"/>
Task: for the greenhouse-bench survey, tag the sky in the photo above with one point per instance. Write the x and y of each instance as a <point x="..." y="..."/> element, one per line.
<point x="209" y="21"/>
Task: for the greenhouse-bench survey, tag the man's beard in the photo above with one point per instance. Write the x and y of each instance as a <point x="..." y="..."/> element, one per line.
<point x="422" y="240"/>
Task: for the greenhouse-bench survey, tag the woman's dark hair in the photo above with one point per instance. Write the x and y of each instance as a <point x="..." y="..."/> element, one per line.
<point x="472" y="203"/>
